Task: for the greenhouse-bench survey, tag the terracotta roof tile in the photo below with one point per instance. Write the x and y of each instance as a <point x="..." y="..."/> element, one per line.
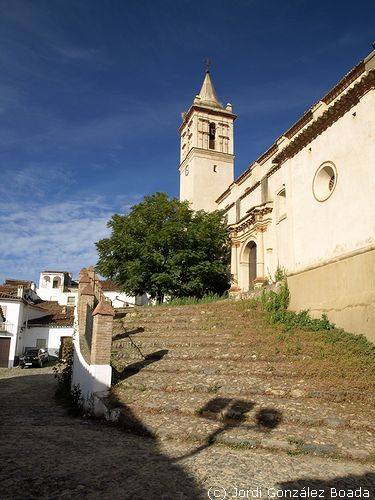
<point x="104" y="308"/>
<point x="57" y="315"/>
<point x="8" y="292"/>
<point x="16" y="283"/>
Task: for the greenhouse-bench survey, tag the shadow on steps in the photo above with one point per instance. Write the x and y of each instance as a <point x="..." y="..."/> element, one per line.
<point x="232" y="413"/>
<point x="136" y="367"/>
<point x="125" y="335"/>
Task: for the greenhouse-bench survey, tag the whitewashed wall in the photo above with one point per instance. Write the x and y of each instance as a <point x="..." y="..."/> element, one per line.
<point x="51" y="334"/>
<point x="91" y="379"/>
<point x="346" y="221"/>
<point x="56" y="295"/>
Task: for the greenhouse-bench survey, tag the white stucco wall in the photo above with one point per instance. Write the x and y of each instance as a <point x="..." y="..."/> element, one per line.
<point x="17" y="315"/>
<point x="56" y="295"/>
<point x="209" y="174"/>
<point x="51" y="334"/>
<point x="346" y="220"/>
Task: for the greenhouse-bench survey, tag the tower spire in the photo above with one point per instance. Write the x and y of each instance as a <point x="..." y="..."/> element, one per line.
<point x="207" y="95"/>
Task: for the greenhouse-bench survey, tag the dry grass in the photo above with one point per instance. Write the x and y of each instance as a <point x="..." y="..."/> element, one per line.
<point x="332" y="358"/>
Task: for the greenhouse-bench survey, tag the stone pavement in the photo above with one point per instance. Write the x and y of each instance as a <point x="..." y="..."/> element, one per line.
<point x="47" y="454"/>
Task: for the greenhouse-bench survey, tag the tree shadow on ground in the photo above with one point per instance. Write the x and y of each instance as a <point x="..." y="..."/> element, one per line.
<point x="232" y="413"/>
<point x="125" y="335"/>
<point x="47" y="454"/>
<point x="136" y="367"/>
<point x="330" y="488"/>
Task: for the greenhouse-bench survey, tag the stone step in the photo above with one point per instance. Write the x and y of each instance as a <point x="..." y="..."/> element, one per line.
<point x="200" y="323"/>
<point x="268" y="433"/>
<point x="187" y="342"/>
<point x="216" y="367"/>
<point x="181" y="319"/>
<point x="228" y="385"/>
<point x="170" y="329"/>
<point x="233" y="354"/>
<point x="185" y="310"/>
<point x="177" y="316"/>
<point x="149" y="332"/>
<point x="296" y="410"/>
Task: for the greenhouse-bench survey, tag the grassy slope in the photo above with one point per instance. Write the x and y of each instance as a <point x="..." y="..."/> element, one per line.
<point x="329" y="359"/>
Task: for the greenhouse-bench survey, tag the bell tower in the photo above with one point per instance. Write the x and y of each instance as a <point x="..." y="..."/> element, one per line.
<point x="206" y="158"/>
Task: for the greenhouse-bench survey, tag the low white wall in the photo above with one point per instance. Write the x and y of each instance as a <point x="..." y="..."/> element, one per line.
<point x="119" y="299"/>
<point x="90" y="379"/>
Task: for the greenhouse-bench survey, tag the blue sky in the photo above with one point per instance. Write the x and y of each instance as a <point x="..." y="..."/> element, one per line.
<point x="91" y="94"/>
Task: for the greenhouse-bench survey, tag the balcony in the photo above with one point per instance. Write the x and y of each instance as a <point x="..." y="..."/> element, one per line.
<point x="6" y="328"/>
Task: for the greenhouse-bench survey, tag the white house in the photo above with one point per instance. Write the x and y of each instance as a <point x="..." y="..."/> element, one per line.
<point x="28" y="321"/>
<point x="60" y="287"/>
<point x="43" y="317"/>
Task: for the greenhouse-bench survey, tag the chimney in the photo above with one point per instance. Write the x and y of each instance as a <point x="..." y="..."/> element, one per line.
<point x="20" y="291"/>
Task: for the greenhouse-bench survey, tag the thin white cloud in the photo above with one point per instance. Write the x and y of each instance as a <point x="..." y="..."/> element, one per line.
<point x="36" y="180"/>
<point x="61" y="234"/>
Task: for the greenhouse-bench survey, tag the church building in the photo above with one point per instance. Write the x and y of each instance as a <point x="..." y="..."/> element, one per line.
<point x="307" y="204"/>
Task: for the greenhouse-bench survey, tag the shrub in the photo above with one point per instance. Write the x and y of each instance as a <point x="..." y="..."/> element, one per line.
<point x="280" y="274"/>
<point x="63" y="370"/>
<point x="275" y="305"/>
<point x="68" y="395"/>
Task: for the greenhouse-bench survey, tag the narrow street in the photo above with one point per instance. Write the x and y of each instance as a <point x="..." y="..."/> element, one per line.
<point x="47" y="454"/>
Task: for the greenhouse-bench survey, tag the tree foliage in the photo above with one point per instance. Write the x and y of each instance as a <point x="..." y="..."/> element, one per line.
<point x="162" y="247"/>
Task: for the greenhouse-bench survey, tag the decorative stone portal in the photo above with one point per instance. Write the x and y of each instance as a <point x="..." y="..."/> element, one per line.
<point x="248" y="266"/>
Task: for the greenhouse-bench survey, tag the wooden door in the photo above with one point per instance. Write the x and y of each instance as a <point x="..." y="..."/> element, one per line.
<point x="4" y="352"/>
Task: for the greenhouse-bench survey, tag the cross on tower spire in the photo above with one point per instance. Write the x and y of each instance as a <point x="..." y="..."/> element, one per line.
<point x="207" y="64"/>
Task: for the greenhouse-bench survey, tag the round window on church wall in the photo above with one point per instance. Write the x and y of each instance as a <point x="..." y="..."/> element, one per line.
<point x="324" y="182"/>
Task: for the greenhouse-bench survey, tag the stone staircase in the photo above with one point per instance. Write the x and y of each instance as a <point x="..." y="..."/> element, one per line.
<point x="217" y="375"/>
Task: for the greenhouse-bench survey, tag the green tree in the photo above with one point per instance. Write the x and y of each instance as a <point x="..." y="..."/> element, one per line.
<point x="162" y="247"/>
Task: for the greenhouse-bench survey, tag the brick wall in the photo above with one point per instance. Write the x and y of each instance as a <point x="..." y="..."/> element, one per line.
<point x="95" y="319"/>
